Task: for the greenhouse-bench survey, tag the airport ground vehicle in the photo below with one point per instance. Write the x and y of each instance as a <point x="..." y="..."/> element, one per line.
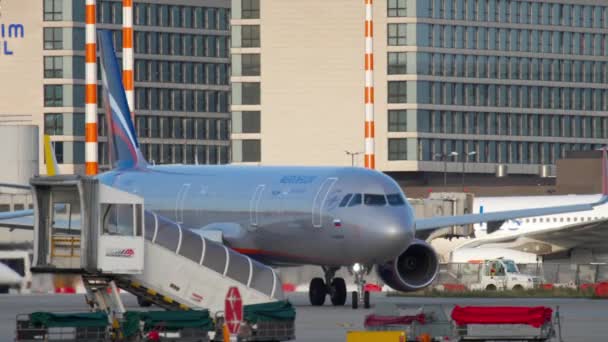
<point x="503" y="274"/>
<point x="19" y="261"/>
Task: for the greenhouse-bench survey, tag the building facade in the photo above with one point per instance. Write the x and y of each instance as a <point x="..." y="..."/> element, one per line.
<point x="182" y="70"/>
<point x="489" y="83"/>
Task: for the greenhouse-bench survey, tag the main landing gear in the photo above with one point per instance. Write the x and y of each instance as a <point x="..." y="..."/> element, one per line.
<point x="332" y="286"/>
<point x="359" y="271"/>
<point x="336" y="288"/>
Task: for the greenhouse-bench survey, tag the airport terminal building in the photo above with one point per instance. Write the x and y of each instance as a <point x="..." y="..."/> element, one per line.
<point x="182" y="70"/>
<point x="499" y="82"/>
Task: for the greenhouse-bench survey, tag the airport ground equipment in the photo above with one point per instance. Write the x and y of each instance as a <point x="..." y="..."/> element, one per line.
<point x="506" y="323"/>
<point x="415" y="321"/>
<point x="375" y="336"/>
<point x="65" y="327"/>
<point x="107" y="236"/>
<point x="444" y="204"/>
<point x="273" y="321"/>
<point x="503" y="274"/>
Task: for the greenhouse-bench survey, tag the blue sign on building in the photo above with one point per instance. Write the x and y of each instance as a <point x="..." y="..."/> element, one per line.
<point x="10" y="32"/>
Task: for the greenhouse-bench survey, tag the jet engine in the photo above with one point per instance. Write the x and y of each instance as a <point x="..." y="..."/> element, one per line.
<point x="414" y="269"/>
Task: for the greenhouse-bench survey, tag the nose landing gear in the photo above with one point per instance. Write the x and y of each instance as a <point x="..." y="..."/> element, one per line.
<point x="332" y="286"/>
<point x="359" y="271"/>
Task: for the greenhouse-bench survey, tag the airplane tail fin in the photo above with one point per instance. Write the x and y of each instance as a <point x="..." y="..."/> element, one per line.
<point x="52" y="169"/>
<point x="123" y="148"/>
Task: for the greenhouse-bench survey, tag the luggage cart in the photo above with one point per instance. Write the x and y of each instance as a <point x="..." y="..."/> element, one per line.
<point x="416" y="321"/>
<point x="274" y="321"/>
<point x="484" y="329"/>
<point x="41" y="326"/>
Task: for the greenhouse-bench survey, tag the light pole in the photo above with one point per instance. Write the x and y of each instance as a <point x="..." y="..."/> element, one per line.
<point x="352" y="156"/>
<point x="444" y="157"/>
<point x="465" y="159"/>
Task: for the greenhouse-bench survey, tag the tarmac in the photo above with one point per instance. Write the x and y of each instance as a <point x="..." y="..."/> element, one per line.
<point x="582" y="319"/>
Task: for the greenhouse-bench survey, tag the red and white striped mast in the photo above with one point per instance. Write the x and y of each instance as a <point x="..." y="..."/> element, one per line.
<point x="90" y="57"/>
<point x="370" y="154"/>
<point x="127" y="54"/>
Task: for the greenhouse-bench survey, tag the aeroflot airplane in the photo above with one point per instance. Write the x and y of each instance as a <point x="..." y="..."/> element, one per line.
<point x="332" y="217"/>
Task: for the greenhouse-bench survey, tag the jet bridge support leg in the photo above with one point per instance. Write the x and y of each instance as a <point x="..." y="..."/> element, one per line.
<point x="103" y="294"/>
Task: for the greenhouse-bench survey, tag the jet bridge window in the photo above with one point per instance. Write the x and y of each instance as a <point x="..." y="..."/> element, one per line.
<point x="395" y="199"/>
<point x="345" y="200"/>
<point x="121" y="219"/>
<point x="374" y="200"/>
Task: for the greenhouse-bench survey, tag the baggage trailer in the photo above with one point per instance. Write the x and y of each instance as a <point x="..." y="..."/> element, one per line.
<point x="274" y="321"/>
<point x="506" y="323"/>
<point x="415" y="321"/>
<point x="65" y="327"/>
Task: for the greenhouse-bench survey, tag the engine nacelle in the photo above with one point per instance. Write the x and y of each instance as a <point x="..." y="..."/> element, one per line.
<point x="414" y="269"/>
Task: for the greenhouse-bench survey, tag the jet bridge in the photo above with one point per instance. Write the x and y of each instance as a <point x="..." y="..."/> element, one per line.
<point x="105" y="234"/>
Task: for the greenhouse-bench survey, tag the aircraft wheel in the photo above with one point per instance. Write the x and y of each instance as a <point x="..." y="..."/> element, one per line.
<point x="355" y="299"/>
<point x="4" y="289"/>
<point x="366" y="300"/>
<point x="317" y="292"/>
<point x="337" y="292"/>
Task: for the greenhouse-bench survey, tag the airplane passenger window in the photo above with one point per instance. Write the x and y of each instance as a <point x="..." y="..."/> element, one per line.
<point x="345" y="200"/>
<point x="374" y="200"/>
<point x="561" y="219"/>
<point x="356" y="200"/>
<point x="575" y="219"/>
<point x="533" y="220"/>
<point x="395" y="199"/>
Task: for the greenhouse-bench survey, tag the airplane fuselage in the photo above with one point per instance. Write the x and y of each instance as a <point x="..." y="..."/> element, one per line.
<point x="281" y="215"/>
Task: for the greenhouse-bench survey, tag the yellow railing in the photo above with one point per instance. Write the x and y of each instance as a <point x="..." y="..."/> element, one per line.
<point x="63" y="243"/>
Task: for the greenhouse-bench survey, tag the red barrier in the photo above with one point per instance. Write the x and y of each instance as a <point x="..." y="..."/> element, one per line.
<point x="585" y="287"/>
<point x="67" y="290"/>
<point x="547" y="286"/>
<point x="601" y="289"/>
<point x="289" y="287"/>
<point x="534" y="316"/>
<point x="372" y="287"/>
<point x="454" y="287"/>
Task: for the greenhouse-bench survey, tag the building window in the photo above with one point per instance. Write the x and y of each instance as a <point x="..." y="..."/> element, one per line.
<point x="397" y="149"/>
<point x="251" y="122"/>
<point x="397" y="34"/>
<point x="251" y="93"/>
<point x="397" y="63"/>
<point x="58" y="149"/>
<point x="397" y="92"/>
<point x="53" y="10"/>
<point x="53" y="95"/>
<point x="250" y="9"/>
<point x="53" y="124"/>
<point x="53" y="67"/>
<point x="250" y="64"/>
<point x="397" y="120"/>
<point x="251" y="151"/>
<point x="53" y="39"/>
<point x="250" y="35"/>
<point x="397" y="8"/>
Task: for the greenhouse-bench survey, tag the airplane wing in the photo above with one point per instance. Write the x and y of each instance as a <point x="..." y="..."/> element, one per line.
<point x="590" y="234"/>
<point x="429" y="224"/>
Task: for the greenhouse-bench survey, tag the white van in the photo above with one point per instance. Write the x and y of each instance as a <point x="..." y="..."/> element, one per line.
<point x="20" y="262"/>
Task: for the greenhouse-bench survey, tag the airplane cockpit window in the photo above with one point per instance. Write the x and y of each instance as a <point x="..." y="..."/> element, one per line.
<point x="356" y="200"/>
<point x="374" y="200"/>
<point x="345" y="200"/>
<point x="395" y="199"/>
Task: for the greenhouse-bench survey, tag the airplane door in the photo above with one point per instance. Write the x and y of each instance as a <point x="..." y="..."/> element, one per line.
<point x="254" y="205"/>
<point x="319" y="201"/>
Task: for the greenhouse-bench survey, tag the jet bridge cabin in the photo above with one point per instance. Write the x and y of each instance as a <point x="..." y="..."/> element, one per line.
<point x="82" y="226"/>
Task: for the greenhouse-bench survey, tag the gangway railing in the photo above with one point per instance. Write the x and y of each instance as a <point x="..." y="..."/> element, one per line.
<point x="107" y="236"/>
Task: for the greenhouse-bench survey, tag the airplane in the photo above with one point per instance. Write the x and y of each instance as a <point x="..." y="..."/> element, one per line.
<point x="539" y="237"/>
<point x="332" y="217"/>
<point x="8" y="278"/>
